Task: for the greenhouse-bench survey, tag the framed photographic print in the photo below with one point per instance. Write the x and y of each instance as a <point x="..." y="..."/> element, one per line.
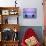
<point x="6" y="34"/>
<point x="29" y="12"/>
<point x="12" y="20"/>
<point x="13" y="12"/>
<point x="5" y="12"/>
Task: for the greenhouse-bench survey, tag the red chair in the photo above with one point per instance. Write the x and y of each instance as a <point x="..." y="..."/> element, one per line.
<point x="29" y="33"/>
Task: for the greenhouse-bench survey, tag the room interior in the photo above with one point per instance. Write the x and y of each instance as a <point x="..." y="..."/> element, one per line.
<point x="17" y="16"/>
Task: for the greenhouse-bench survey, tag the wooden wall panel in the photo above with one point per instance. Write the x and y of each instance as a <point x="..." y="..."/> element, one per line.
<point x="11" y="26"/>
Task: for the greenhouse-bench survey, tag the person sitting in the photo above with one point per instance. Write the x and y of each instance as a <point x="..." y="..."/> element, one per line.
<point x="30" y="38"/>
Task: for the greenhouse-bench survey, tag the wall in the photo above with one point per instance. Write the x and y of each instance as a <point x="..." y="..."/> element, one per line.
<point x="27" y="4"/>
<point x="7" y="3"/>
<point x="32" y="4"/>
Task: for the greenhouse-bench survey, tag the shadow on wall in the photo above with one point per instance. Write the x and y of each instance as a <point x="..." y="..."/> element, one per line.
<point x="37" y="29"/>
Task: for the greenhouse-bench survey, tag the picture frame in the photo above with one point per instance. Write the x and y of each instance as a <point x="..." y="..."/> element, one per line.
<point x="5" y="12"/>
<point x="13" y="12"/>
<point x="10" y="19"/>
<point x="29" y="13"/>
<point x="6" y="34"/>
